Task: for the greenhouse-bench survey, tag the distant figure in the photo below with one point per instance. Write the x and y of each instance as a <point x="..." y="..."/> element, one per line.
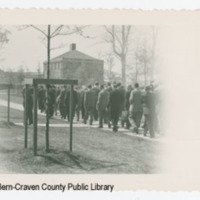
<point x="115" y="106"/>
<point x="62" y="105"/>
<point x="89" y="104"/>
<point x="51" y="100"/>
<point x="109" y="90"/>
<point x="136" y="108"/>
<point x="29" y="104"/>
<point x="96" y="92"/>
<point x="41" y="99"/>
<point x="57" y="103"/>
<point x="123" y="101"/>
<point x="102" y="104"/>
<point x="127" y="106"/>
<point x="82" y="96"/>
<point x="74" y="103"/>
<point x="149" y="112"/>
<point x="79" y="102"/>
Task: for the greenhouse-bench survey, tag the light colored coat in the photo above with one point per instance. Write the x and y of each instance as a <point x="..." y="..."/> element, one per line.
<point x="136" y="101"/>
<point x="103" y="100"/>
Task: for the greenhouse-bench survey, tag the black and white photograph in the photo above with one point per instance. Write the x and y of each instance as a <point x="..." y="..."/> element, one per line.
<point x="82" y="99"/>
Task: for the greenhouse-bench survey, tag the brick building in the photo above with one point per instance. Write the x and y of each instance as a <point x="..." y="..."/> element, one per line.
<point x="76" y="65"/>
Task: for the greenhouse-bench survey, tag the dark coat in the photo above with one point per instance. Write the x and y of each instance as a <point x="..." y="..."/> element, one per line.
<point x="29" y="98"/>
<point x="89" y="99"/>
<point x="127" y="104"/>
<point x="115" y="99"/>
<point x="123" y="97"/>
<point x="149" y="102"/>
<point x="75" y="99"/>
<point x="79" y="100"/>
<point x="96" y="92"/>
<point x="63" y="96"/>
<point x="52" y="96"/>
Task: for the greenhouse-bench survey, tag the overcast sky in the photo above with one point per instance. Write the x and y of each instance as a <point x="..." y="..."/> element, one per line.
<point x="26" y="48"/>
<point x="180" y="46"/>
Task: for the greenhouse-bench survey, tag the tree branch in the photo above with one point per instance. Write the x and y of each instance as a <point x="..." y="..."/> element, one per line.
<point x="41" y="31"/>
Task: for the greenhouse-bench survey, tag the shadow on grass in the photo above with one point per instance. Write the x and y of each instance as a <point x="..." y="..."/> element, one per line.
<point x="74" y="161"/>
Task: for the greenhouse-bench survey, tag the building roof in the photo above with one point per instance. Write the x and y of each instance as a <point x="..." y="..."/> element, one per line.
<point x="74" y="54"/>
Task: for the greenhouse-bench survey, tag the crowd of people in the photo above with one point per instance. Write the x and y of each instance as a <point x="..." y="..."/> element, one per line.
<point x="135" y="107"/>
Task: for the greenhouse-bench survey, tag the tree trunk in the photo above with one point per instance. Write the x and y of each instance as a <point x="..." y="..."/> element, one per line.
<point x="123" y="63"/>
<point x="154" y="36"/>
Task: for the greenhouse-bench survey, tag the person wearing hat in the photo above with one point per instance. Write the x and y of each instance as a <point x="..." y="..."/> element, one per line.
<point x="89" y="104"/>
<point x="115" y="106"/>
<point x="102" y="104"/>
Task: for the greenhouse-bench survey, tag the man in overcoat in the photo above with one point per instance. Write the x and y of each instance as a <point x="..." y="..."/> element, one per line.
<point x="89" y="104"/>
<point x="74" y="102"/>
<point x="136" y="108"/>
<point x="62" y="105"/>
<point x="29" y="104"/>
<point x="115" y="106"/>
<point x="102" y="104"/>
<point x="96" y="92"/>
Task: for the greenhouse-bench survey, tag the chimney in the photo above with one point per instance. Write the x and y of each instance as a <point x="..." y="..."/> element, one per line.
<point x="72" y="47"/>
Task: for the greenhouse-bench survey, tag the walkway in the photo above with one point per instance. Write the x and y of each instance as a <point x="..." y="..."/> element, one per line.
<point x="19" y="107"/>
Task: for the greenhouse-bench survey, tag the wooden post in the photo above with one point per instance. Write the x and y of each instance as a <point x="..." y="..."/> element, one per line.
<point x="71" y="116"/>
<point x="47" y="94"/>
<point x="25" y="117"/>
<point x="35" y="120"/>
<point x="8" y="107"/>
<point x="47" y="118"/>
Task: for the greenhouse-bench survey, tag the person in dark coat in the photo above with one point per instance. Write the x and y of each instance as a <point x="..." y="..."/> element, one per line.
<point x="127" y="105"/>
<point x="102" y="104"/>
<point x="109" y="90"/>
<point x="123" y="98"/>
<point x="57" y="103"/>
<point x="96" y="92"/>
<point x="89" y="104"/>
<point x="74" y="103"/>
<point x="82" y="94"/>
<point x="149" y="112"/>
<point x="41" y="99"/>
<point x="51" y="100"/>
<point x="136" y="108"/>
<point x="29" y="104"/>
<point x="62" y="104"/>
<point x="79" y="102"/>
<point x="115" y="106"/>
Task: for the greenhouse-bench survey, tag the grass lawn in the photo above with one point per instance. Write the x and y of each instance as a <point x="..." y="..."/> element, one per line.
<point x="94" y="150"/>
<point x="16" y="98"/>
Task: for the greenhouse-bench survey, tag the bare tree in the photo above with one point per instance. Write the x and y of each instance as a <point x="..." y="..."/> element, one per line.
<point x="143" y="59"/>
<point x="109" y="59"/>
<point x="50" y="32"/>
<point x="119" y="38"/>
<point x="3" y="36"/>
<point x="4" y="33"/>
<point x="154" y="34"/>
